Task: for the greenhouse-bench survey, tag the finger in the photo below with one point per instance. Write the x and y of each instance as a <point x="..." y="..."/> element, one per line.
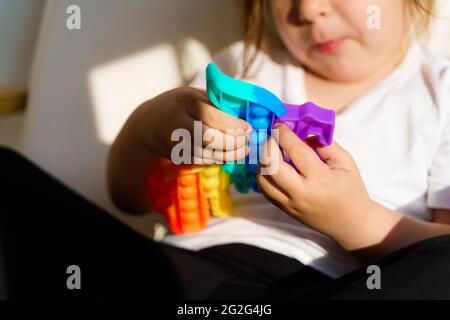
<point x="334" y="155"/>
<point x="270" y="190"/>
<point x="303" y="156"/>
<point x="271" y="157"/>
<point x="213" y="138"/>
<point x="211" y="156"/>
<point x="203" y="110"/>
<point x="205" y="136"/>
<point x="282" y="174"/>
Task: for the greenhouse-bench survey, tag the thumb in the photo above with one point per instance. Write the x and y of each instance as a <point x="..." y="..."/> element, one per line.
<point x="334" y="155"/>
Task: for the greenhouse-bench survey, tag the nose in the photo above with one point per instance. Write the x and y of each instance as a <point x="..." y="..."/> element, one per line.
<point x="311" y="10"/>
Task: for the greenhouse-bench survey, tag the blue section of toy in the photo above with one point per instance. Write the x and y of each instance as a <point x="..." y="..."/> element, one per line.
<point x="235" y="96"/>
<point x="249" y="102"/>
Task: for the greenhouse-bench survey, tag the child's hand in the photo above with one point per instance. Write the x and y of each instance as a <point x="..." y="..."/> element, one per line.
<point x="327" y="195"/>
<point x="158" y="118"/>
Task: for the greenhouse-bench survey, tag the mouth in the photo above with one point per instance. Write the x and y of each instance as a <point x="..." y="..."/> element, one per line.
<point x="329" y="46"/>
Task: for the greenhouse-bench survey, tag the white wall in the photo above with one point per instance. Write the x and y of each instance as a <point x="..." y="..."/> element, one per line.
<point x="19" y="23"/>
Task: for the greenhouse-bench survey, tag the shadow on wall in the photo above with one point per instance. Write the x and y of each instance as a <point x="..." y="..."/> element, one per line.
<point x="86" y="82"/>
<point x="18" y="29"/>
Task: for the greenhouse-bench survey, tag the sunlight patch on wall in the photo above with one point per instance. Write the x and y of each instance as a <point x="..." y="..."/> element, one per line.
<point x="120" y="86"/>
<point x="194" y="58"/>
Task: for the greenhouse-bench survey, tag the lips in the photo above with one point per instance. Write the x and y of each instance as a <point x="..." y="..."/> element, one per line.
<point x="329" y="46"/>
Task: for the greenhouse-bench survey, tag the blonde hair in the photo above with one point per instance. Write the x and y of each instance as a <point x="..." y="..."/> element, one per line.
<point x="257" y="27"/>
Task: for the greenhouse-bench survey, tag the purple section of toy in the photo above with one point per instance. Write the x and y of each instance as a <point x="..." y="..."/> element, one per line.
<point x="308" y="120"/>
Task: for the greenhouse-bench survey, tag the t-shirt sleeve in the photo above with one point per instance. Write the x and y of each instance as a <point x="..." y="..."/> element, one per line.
<point x="439" y="175"/>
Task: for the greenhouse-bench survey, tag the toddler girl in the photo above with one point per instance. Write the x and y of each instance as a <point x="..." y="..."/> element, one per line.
<point x="385" y="181"/>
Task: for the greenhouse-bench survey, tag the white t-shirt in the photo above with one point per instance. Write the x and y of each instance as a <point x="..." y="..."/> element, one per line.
<point x="398" y="133"/>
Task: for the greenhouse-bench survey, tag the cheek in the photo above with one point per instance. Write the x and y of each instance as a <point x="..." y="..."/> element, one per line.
<point x="341" y="66"/>
<point x="379" y="26"/>
<point x="370" y="46"/>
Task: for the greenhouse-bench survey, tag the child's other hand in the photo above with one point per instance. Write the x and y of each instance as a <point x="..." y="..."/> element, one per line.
<point x="158" y="118"/>
<point x="327" y="195"/>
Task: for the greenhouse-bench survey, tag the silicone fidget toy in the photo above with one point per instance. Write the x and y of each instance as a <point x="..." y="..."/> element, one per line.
<point x="308" y="120"/>
<point x="216" y="184"/>
<point x="177" y="193"/>
<point x="249" y="102"/>
<point x="189" y="194"/>
<point x="241" y="177"/>
<point x="232" y="95"/>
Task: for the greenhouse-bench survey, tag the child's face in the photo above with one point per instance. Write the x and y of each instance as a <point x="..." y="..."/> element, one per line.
<point x="331" y="38"/>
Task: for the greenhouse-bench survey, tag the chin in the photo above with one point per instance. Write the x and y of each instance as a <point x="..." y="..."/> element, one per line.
<point x="342" y="72"/>
<point x="345" y="77"/>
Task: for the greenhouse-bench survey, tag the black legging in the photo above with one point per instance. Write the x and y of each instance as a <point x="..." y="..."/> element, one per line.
<point x="45" y="227"/>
